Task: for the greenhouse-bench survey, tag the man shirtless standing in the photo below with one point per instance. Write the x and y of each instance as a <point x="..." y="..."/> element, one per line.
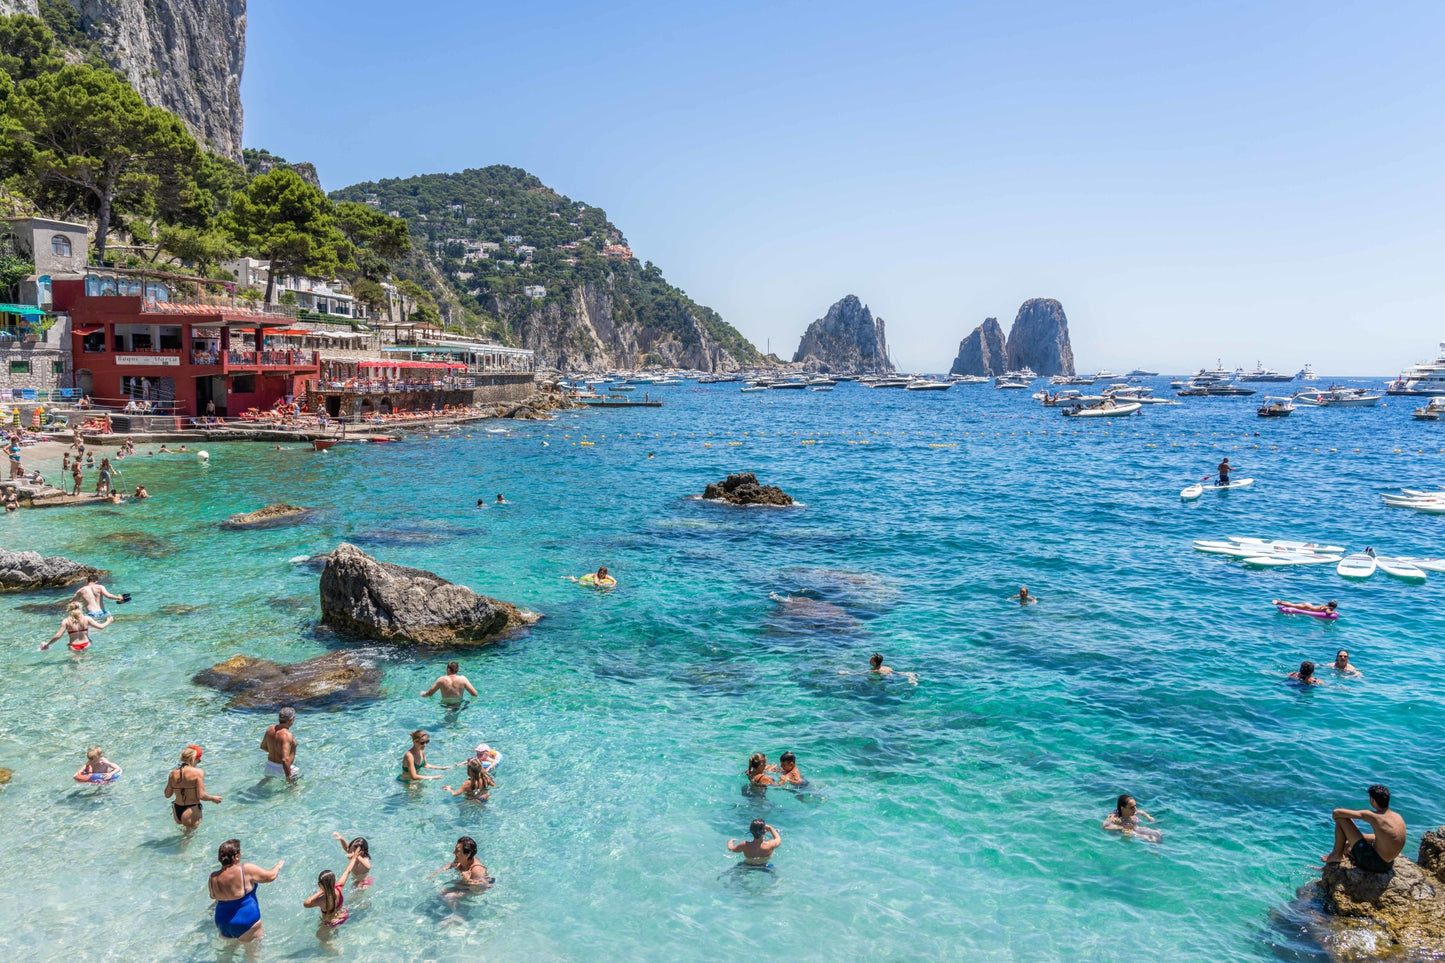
<point x="1373" y="852"/>
<point x="757" y="851"/>
<point x="280" y="746"/>
<point x="93" y="595"/>
<point x="451" y="686"/>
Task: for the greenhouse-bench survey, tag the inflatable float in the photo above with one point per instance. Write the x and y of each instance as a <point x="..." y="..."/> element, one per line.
<point x="1291" y="610"/>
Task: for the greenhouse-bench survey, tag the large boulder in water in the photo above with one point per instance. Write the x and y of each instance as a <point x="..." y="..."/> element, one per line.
<point x="1371" y="915"/>
<point x="743" y="489"/>
<point x="272" y="516"/>
<point x="332" y="679"/>
<point x="377" y="600"/>
<point x="30" y="571"/>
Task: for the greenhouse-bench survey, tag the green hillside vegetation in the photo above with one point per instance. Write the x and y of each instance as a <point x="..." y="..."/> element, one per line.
<point x="493" y="204"/>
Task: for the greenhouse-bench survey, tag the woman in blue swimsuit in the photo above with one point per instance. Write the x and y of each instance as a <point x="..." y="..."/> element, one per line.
<point x="233" y="887"/>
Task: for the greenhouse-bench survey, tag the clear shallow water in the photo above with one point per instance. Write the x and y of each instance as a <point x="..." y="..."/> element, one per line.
<point x="956" y="818"/>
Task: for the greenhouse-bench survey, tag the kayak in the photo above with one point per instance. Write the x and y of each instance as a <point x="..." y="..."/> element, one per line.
<point x="1242" y="483"/>
<point x="1399" y="568"/>
<point x="1291" y="610"/>
<point x="1289" y="558"/>
<point x="1192" y="492"/>
<point x="1358" y="565"/>
<point x="1424" y="564"/>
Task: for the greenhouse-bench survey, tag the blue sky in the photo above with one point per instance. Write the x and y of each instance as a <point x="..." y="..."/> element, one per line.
<point x="1246" y="181"/>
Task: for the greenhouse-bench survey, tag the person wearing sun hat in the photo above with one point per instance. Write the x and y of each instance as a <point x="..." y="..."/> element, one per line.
<point x="187" y="783"/>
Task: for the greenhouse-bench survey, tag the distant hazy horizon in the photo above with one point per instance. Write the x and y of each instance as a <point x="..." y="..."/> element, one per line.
<point x="1257" y="182"/>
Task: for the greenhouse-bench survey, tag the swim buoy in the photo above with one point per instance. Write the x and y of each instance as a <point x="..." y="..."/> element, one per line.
<point x="591" y="579"/>
<point x="203" y="455"/>
<point x="100" y="777"/>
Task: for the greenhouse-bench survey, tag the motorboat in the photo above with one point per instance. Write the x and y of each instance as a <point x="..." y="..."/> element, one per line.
<point x="924" y="384"/>
<point x="823" y="387"/>
<point x="1106" y="376"/>
<point x="821" y="383"/>
<point x="890" y="383"/>
<point x="1010" y="381"/>
<point x="1261" y="373"/>
<point x="1307" y="374"/>
<point x="788" y="385"/>
<point x="1213" y="389"/>
<point x="1069" y="398"/>
<point x="1136" y="393"/>
<point x="1104" y="409"/>
<point x="1426" y="378"/>
<point x="1275" y="408"/>
<point x="1141" y="373"/>
<point x="968" y="379"/>
<point x="1348" y="398"/>
<point x="747" y="388"/>
<point x="1210" y="375"/>
<point x="1433" y="411"/>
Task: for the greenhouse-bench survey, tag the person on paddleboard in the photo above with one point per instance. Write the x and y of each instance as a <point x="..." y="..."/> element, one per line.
<point x="1224" y="473"/>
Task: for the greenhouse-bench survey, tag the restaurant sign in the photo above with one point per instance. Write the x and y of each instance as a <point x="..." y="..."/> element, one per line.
<point x="161" y="360"/>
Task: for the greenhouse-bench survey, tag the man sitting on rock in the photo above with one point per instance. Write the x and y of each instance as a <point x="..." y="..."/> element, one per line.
<point x="1373" y="852"/>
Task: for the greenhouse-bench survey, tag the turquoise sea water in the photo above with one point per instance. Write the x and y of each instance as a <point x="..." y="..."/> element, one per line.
<point x="955" y="819"/>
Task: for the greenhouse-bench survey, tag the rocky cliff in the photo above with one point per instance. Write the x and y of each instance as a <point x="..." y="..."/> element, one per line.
<point x="183" y="55"/>
<point x="1039" y="339"/>
<point x="846" y="340"/>
<point x="984" y="352"/>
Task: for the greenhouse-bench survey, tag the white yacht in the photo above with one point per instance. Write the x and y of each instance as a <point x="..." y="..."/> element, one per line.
<point x="1261" y="373"/>
<point x="1012" y="379"/>
<point x="968" y="379"/>
<point x="1141" y="373"/>
<point x="1307" y="374"/>
<point x="1426" y="378"/>
<point x="927" y="384"/>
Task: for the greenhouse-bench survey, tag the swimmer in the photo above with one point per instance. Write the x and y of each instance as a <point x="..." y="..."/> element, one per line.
<point x="358" y="852"/>
<point x="876" y="667"/>
<point x="501" y="501"/>
<point x="464" y="861"/>
<point x="1329" y="606"/>
<point x="163" y="449"/>
<point x="93" y="595"/>
<point x="97" y="768"/>
<point x="1343" y="667"/>
<point x="486" y="755"/>
<point x="329" y="897"/>
<point x="477" y="784"/>
<point x="1125" y="819"/>
<point x="758" y="771"/>
<point x="188" y="785"/>
<point x="1305" y="675"/>
<point x="599" y="579"/>
<point x="12" y="504"/>
<point x="233" y="887"/>
<point x="414" y="759"/>
<point x="279" y="745"/>
<point x="1024" y="597"/>
<point x="451" y="686"/>
<point x="757" y="851"/>
<point x="140" y="492"/>
<point x="77" y="625"/>
<point x="789" y="773"/>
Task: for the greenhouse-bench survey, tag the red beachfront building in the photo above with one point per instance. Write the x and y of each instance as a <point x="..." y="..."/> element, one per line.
<point x="130" y="342"/>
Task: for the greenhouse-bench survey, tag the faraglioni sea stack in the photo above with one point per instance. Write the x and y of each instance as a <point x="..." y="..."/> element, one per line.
<point x="846" y="340"/>
<point x="1039" y="339"/>
<point x="984" y="352"/>
<point x="392" y="603"/>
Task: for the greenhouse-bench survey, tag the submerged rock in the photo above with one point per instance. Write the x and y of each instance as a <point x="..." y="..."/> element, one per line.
<point x="377" y="600"/>
<point x="743" y="489"/>
<point x="141" y="543"/>
<point x="1369" y="915"/>
<point x="5" y="775"/>
<point x="331" y="679"/>
<point x="28" y="571"/>
<point x="272" y="516"/>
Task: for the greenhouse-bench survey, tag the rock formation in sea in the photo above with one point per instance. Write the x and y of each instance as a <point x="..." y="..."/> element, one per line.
<point x="29" y="571"/>
<point x="743" y="489"/>
<point x="1039" y="339"/>
<point x="272" y="516"/>
<point x="1399" y="914"/>
<point x="335" y="678"/>
<point x="984" y="352"/>
<point x="846" y="340"/>
<point x="183" y="55"/>
<point x="377" y="600"/>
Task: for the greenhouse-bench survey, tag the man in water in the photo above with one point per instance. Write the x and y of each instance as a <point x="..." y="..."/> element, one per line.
<point x="757" y="851"/>
<point x="93" y="595"/>
<point x="1329" y="606"/>
<point x="876" y="667"/>
<point x="1342" y="665"/>
<point x="1373" y="852"/>
<point x="1305" y="675"/>
<point x="1224" y="472"/>
<point x="451" y="686"/>
<point x="1024" y="597"/>
<point x="501" y="500"/>
<point x="140" y="492"/>
<point x="279" y="745"/>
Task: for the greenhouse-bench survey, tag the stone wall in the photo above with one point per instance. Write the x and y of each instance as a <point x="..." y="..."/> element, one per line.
<point x="495" y="389"/>
<point x="39" y="372"/>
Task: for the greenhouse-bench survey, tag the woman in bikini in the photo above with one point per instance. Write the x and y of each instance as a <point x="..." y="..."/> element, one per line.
<point x="188" y="785"/>
<point x="414" y="759"/>
<point x="329" y="898"/>
<point x="478" y="781"/>
<point x="1125" y="819"/>
<point x="233" y="887"/>
<point x="77" y="625"/>
<point x="758" y="771"/>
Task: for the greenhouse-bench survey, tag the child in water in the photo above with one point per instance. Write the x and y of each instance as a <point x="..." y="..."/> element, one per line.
<point x="478" y="781"/>
<point x="358" y="851"/>
<point x="97" y="768"/>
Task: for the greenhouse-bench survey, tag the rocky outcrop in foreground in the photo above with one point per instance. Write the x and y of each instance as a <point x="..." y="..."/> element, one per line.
<point x="29" y="571"/>
<point x="377" y="600"/>
<point x="272" y="516"/>
<point x="743" y="489"/>
<point x="846" y="340"/>
<point x="1374" y="915"/>
<point x="984" y="352"/>
<point x="1039" y="339"/>
<point x="335" y="678"/>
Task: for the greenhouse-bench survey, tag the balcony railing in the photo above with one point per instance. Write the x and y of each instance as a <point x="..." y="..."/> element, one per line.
<point x="201" y="357"/>
<point x="278" y="359"/>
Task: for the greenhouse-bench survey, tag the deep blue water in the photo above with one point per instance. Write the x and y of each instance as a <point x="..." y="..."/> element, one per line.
<point x="958" y="818"/>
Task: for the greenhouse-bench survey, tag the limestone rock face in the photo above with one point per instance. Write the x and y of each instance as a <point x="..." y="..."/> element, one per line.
<point x="29" y="571"/>
<point x="846" y="340"/>
<point x="743" y="489"/>
<point x="1039" y="339"/>
<point x="377" y="600"/>
<point x="984" y="352"/>
<point x="332" y="679"/>
<point x="272" y="516"/>
<point x="1380" y="913"/>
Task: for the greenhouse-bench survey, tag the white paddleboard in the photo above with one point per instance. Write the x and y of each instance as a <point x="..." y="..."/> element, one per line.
<point x="1424" y="564"/>
<point x="1279" y="544"/>
<point x="1399" y="568"/>
<point x="1191" y="493"/>
<point x="1289" y="558"/>
<point x="1242" y="483"/>
<point x="1358" y="565"/>
<point x="1226" y="548"/>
